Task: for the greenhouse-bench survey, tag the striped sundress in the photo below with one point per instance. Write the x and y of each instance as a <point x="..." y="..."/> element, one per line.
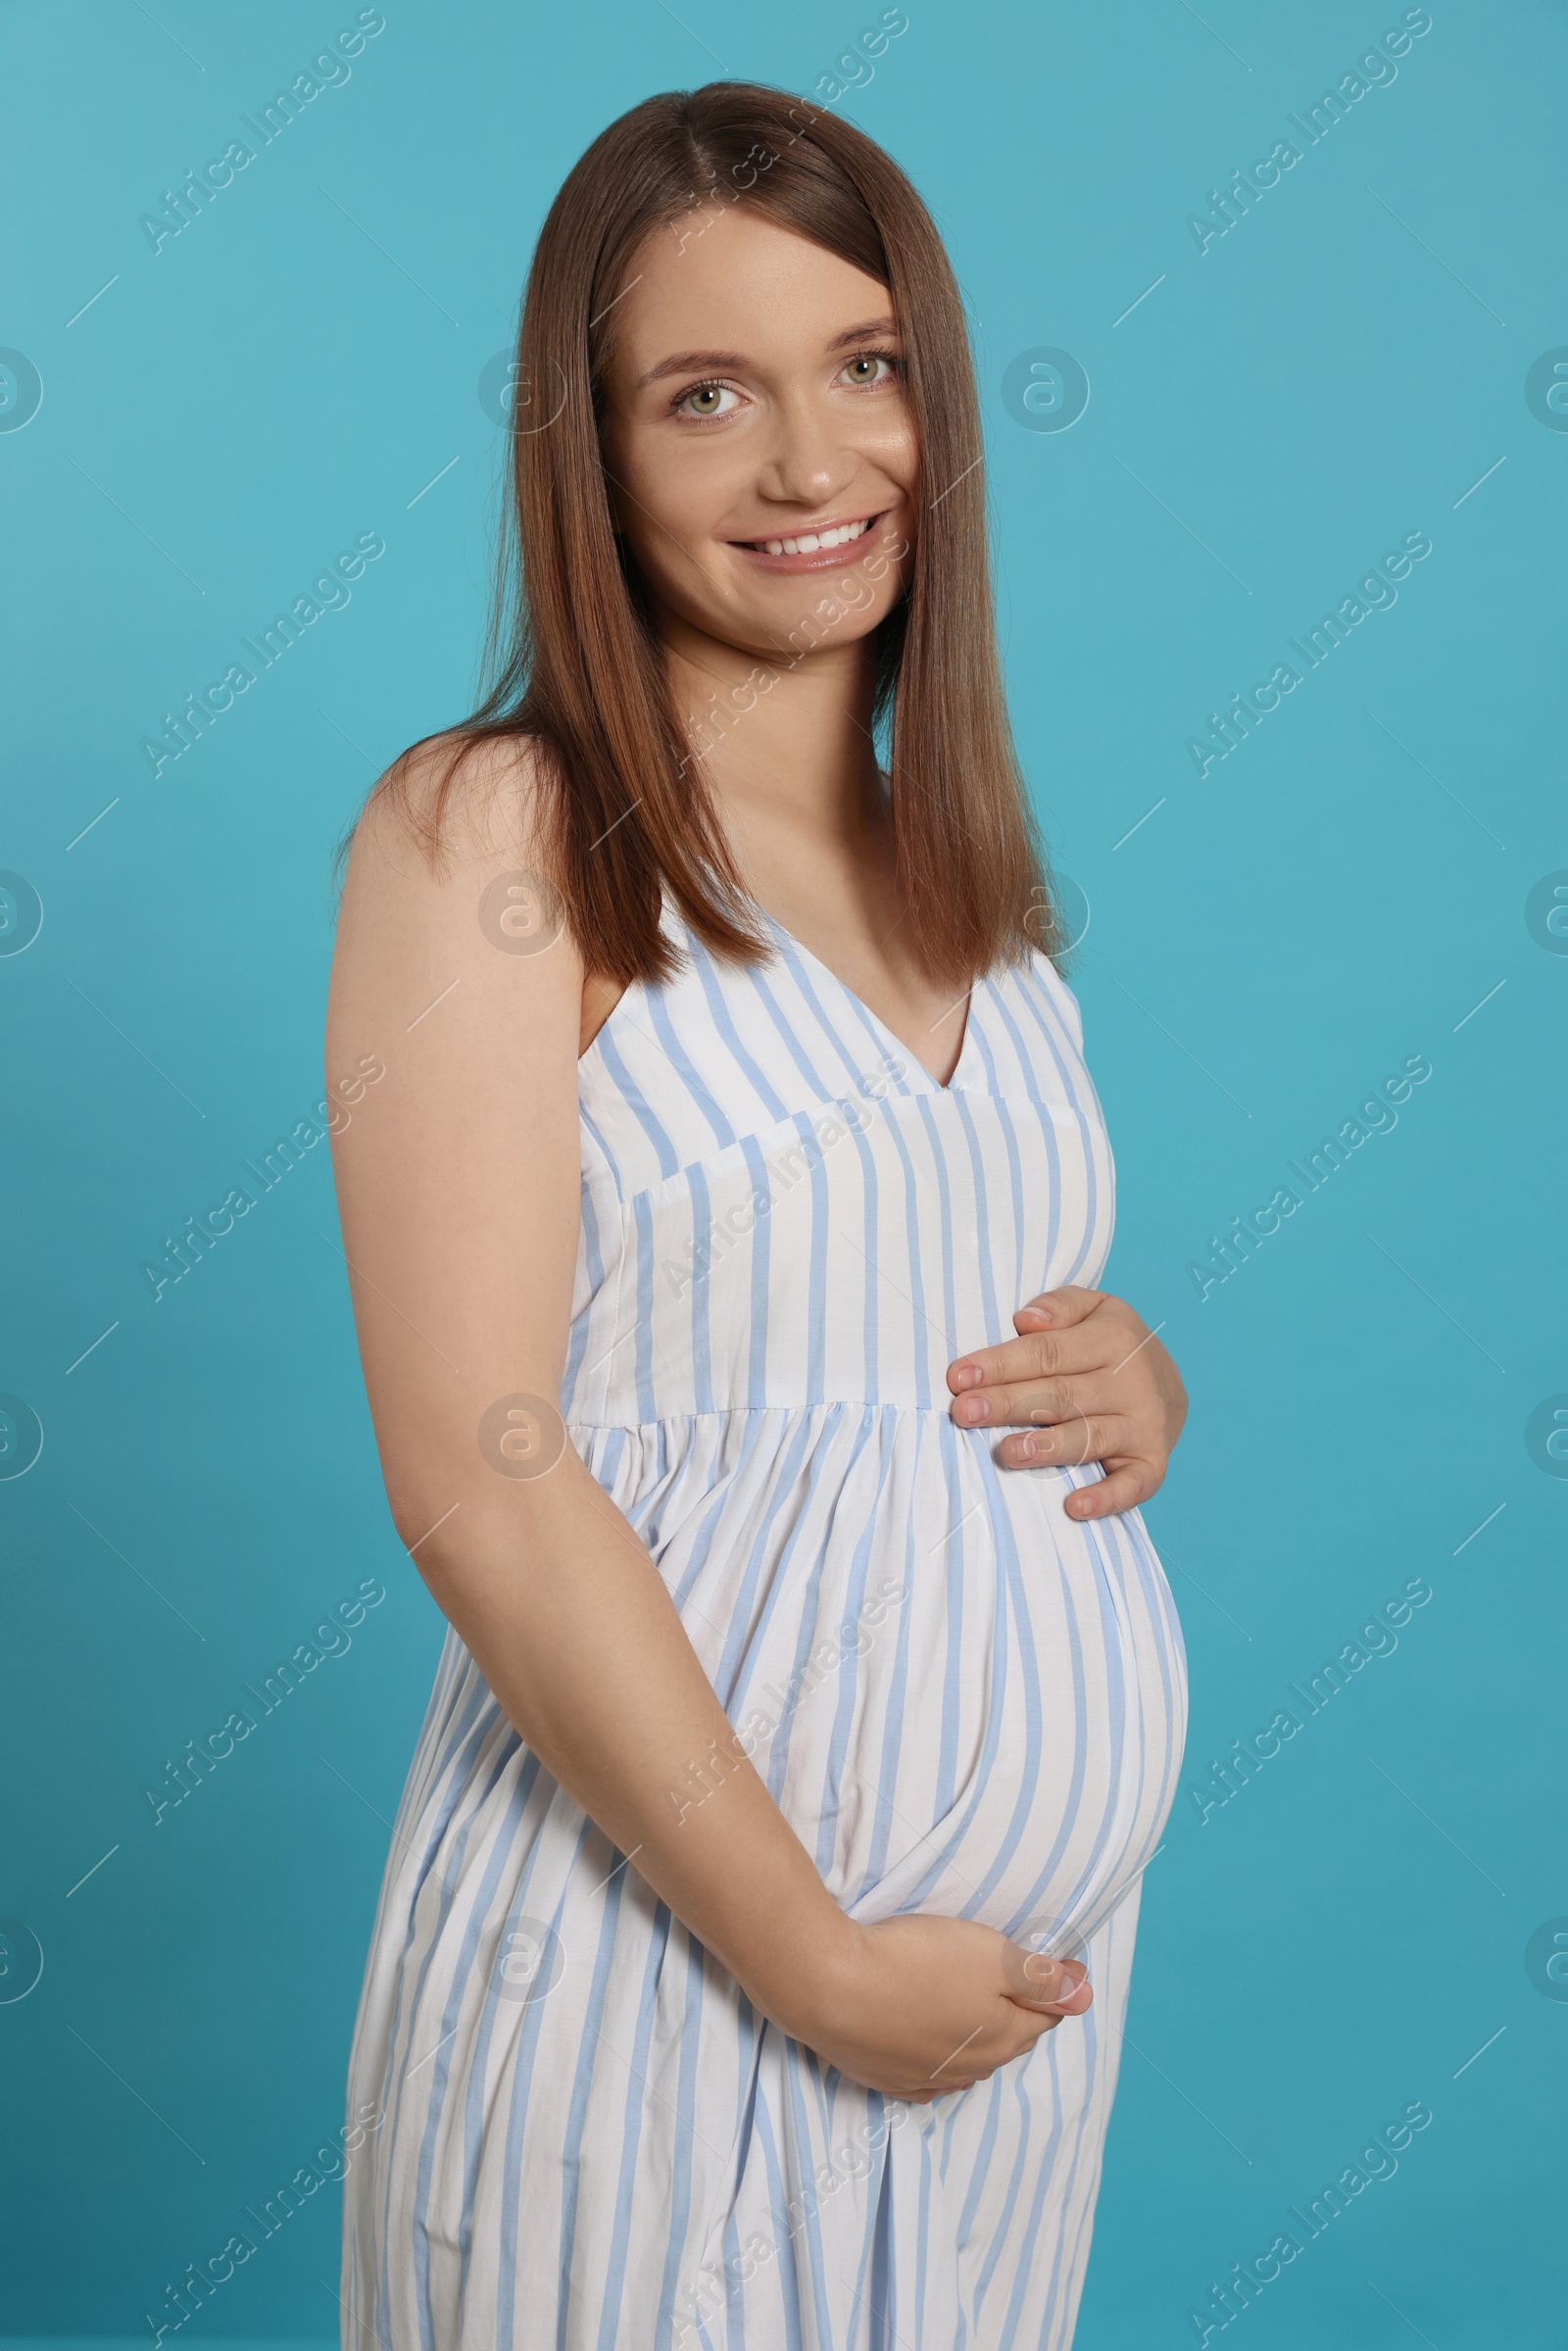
<point x="574" y="2129"/>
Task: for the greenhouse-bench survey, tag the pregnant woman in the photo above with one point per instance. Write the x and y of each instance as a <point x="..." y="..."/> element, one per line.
<point x="753" y="1950"/>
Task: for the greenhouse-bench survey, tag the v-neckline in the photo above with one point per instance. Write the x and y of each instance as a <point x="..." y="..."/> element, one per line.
<point x="938" y="1085"/>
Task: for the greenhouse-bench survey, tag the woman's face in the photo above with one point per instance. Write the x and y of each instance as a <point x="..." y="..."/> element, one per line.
<point x="756" y="399"/>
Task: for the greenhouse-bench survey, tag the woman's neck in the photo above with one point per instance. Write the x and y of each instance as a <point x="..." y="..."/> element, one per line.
<point x="785" y="744"/>
<point x="788" y="755"/>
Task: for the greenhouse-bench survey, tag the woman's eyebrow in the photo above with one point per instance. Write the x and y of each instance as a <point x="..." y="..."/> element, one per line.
<point x="857" y="334"/>
<point x="684" y="362"/>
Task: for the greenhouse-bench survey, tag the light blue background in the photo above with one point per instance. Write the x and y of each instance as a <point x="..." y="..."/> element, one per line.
<point x="294" y="370"/>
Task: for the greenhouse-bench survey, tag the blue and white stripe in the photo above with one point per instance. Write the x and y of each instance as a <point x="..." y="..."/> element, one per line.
<point x="964" y="1701"/>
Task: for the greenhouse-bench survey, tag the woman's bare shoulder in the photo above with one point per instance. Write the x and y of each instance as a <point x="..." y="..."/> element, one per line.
<point x="448" y="863"/>
<point x="456" y="802"/>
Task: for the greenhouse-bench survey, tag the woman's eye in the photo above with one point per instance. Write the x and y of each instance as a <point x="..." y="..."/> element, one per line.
<point x="706" y="400"/>
<point x="868" y="368"/>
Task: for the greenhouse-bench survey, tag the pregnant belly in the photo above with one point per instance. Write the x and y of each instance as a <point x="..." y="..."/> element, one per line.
<point x="963" y="1700"/>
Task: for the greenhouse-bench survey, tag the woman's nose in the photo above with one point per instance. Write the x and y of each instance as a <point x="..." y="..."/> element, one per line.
<point x="806" y="464"/>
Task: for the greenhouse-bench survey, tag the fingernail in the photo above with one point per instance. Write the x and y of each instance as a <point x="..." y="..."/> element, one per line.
<point x="977" y="1408"/>
<point x="1028" y="1448"/>
<point x="967" y="1375"/>
<point x="1045" y="1970"/>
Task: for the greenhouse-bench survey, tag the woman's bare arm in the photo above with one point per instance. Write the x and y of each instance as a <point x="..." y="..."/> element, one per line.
<point x="459" y="1189"/>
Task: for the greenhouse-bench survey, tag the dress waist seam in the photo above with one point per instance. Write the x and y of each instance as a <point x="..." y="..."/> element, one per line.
<point x="827" y="1403"/>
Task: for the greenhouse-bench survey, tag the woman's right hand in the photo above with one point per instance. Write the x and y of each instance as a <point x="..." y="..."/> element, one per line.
<point x="917" y="2006"/>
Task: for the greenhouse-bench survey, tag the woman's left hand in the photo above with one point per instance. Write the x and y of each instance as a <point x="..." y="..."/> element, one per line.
<point x="1089" y="1381"/>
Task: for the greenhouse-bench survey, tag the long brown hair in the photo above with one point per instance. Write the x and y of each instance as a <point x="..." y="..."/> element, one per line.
<point x="571" y="657"/>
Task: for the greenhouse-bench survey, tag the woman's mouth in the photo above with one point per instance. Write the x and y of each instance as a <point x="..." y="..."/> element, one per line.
<point x="821" y="548"/>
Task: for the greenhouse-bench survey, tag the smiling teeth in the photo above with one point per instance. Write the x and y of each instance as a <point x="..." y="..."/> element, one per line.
<point x="809" y="541"/>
